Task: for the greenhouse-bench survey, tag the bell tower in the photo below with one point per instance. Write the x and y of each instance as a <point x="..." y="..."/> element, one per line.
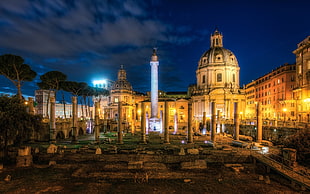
<point x="216" y="39"/>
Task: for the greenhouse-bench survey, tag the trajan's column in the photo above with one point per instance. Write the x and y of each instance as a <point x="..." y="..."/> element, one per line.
<point x="154" y="123"/>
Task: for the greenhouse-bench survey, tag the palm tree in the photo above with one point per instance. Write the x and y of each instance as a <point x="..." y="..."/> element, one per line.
<point x="13" y="68"/>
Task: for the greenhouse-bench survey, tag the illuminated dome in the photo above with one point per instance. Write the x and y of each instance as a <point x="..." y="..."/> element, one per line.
<point x="217" y="55"/>
<point x="121" y="83"/>
<point x="218" y="67"/>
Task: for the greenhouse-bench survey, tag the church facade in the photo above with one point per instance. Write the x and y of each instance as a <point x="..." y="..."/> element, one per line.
<point x="217" y="81"/>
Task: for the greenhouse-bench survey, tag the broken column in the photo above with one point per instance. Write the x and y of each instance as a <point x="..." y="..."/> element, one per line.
<point x="166" y="121"/>
<point x="97" y="134"/>
<point x="189" y="120"/>
<point x="52" y="121"/>
<point x="259" y="123"/>
<point x="143" y="124"/>
<point x="31" y="111"/>
<point x="213" y="122"/>
<point x="218" y="120"/>
<point x="120" y="124"/>
<point x="204" y="124"/>
<point x="74" y="119"/>
<point x="236" y="121"/>
<point x="24" y="157"/>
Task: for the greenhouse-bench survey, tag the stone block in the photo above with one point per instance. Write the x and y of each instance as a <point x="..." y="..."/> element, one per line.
<point x="26" y="151"/>
<point x="8" y="178"/>
<point x="193" y="151"/>
<point x="113" y="166"/>
<point x="267" y="180"/>
<point x="98" y="151"/>
<point x="36" y="150"/>
<point x="23" y="161"/>
<point x="135" y="165"/>
<point x="52" y="162"/>
<point x="52" y="149"/>
<point x="154" y="166"/>
<point x="187" y="180"/>
<point x="197" y="164"/>
<point x="182" y="152"/>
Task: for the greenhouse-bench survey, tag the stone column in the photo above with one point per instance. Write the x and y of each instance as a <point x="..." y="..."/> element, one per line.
<point x="218" y="120"/>
<point x="30" y="105"/>
<point x="74" y="119"/>
<point x="236" y="121"/>
<point x="133" y="119"/>
<point x="154" y="63"/>
<point x="175" y="121"/>
<point x="97" y="133"/>
<point x="120" y="124"/>
<point x="31" y="111"/>
<point x="52" y="121"/>
<point x="189" y="120"/>
<point x="259" y="123"/>
<point x="204" y="124"/>
<point x="166" y="121"/>
<point x="143" y="124"/>
<point x="213" y="122"/>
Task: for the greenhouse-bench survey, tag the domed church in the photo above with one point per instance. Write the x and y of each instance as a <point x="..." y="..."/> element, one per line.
<point x="217" y="81"/>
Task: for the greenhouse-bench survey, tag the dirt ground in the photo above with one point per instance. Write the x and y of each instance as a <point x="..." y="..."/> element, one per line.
<point x="215" y="179"/>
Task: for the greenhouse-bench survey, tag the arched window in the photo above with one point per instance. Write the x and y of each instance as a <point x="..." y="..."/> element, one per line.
<point x="219" y="77"/>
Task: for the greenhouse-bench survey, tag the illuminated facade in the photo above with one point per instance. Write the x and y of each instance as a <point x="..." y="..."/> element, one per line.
<point x="275" y="93"/>
<point x="302" y="90"/>
<point x="250" y="111"/>
<point x="61" y="110"/>
<point x="120" y="91"/>
<point x="217" y="81"/>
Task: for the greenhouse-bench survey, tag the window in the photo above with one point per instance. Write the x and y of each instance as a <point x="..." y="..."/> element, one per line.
<point x="115" y="99"/>
<point x="234" y="78"/>
<point x="219" y="77"/>
<point x="203" y="79"/>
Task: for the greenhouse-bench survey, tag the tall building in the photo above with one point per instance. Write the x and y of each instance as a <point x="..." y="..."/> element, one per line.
<point x="302" y="91"/>
<point x="41" y="98"/>
<point x="217" y="81"/>
<point x="274" y="91"/>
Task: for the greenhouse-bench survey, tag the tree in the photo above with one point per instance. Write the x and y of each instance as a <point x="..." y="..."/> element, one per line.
<point x="13" y="68"/>
<point x="51" y="81"/>
<point x="16" y="123"/>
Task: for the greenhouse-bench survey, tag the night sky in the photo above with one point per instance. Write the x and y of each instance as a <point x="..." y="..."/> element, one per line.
<point x="91" y="39"/>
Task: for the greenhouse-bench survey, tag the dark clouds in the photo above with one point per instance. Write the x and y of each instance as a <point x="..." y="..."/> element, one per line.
<point x="84" y="39"/>
<point x="90" y="39"/>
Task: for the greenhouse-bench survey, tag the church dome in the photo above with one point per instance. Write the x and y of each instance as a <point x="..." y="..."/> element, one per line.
<point x="217" y="55"/>
<point x="218" y="67"/>
<point x="121" y="83"/>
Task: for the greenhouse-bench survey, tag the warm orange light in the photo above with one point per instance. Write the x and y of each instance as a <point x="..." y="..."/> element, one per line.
<point x="284" y="109"/>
